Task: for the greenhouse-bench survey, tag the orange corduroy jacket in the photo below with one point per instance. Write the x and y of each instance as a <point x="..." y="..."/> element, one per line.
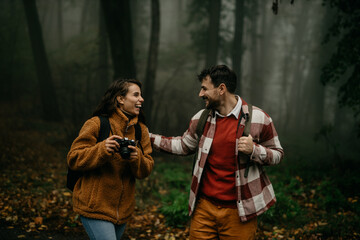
<point x="106" y="191"/>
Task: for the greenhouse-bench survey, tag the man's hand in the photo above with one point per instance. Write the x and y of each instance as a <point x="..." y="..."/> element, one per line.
<point x="246" y="145"/>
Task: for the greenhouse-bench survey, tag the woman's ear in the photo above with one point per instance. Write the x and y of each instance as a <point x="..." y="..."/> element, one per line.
<point x="120" y="99"/>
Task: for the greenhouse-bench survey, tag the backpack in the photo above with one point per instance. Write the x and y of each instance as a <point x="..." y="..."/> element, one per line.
<point x="201" y="125"/>
<point x="105" y="128"/>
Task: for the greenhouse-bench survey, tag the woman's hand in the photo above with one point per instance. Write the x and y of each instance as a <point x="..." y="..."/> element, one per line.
<point x="134" y="152"/>
<point x="111" y="144"/>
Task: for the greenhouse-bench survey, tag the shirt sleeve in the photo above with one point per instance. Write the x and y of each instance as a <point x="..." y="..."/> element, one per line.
<point x="267" y="148"/>
<point x="180" y="145"/>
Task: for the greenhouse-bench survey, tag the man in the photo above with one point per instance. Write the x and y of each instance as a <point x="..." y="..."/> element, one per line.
<point x="227" y="193"/>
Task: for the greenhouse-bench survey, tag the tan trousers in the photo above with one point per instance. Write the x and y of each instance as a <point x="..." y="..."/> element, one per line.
<point x="214" y="222"/>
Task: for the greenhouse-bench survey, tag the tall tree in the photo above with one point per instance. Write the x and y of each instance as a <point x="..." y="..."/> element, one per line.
<point x="257" y="82"/>
<point x="152" y="58"/>
<point x="49" y="101"/>
<point x="84" y="14"/>
<point x="212" y="45"/>
<point x="301" y="45"/>
<point x="103" y="55"/>
<point x="237" y="44"/>
<point x="117" y="16"/>
<point x="60" y="34"/>
<point x="9" y="38"/>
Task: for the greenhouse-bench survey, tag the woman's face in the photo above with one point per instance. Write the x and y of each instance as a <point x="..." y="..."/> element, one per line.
<point x="132" y="102"/>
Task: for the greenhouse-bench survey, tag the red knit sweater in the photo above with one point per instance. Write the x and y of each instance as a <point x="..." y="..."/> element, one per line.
<point x="218" y="183"/>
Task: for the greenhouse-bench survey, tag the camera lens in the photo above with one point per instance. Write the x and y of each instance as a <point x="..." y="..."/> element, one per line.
<point x="125" y="152"/>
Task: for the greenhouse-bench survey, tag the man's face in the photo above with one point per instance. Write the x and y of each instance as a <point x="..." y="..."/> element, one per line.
<point x="209" y="93"/>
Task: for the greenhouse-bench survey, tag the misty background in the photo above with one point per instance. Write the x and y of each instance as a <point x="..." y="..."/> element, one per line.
<point x="57" y="68"/>
<point x="298" y="60"/>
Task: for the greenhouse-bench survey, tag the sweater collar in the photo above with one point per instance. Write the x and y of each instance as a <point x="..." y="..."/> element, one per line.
<point x="121" y="116"/>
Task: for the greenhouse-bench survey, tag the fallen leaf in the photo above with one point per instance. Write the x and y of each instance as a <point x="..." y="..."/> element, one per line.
<point x="38" y="220"/>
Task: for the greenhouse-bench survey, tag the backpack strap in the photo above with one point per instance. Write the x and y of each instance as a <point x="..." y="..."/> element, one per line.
<point x="201" y="123"/>
<point x="247" y="129"/>
<point x="105" y="128"/>
<point x="138" y="135"/>
<point x="199" y="131"/>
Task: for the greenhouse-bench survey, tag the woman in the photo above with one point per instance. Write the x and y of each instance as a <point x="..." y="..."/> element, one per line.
<point x="104" y="196"/>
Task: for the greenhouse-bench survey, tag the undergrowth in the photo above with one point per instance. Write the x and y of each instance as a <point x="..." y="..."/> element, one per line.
<point x="314" y="199"/>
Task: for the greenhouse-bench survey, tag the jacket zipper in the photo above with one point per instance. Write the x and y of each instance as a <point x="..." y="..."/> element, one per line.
<point x="128" y="126"/>
<point x="121" y="196"/>
<point x="122" y="180"/>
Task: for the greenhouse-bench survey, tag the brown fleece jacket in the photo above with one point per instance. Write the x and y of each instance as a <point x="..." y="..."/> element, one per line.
<point x="107" y="189"/>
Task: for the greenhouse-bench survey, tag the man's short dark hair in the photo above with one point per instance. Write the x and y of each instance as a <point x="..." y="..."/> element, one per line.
<point x="220" y="74"/>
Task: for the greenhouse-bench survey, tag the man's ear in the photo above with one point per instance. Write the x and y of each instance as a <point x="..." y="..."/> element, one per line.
<point x="120" y="99"/>
<point x="222" y="87"/>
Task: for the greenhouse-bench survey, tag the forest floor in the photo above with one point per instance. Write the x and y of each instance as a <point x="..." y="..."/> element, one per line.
<point x="35" y="204"/>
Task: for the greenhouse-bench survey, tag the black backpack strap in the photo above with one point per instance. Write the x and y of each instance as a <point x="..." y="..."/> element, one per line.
<point x="138" y="135"/>
<point x="105" y="128"/>
<point x="199" y="131"/>
<point x="247" y="129"/>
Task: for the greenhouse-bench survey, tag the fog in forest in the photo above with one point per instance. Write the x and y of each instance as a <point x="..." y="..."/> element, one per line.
<point x="278" y="59"/>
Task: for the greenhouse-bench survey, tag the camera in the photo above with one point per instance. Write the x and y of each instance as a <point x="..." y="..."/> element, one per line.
<point x="124" y="150"/>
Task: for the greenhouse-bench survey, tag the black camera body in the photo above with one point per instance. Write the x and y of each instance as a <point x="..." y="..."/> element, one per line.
<point x="124" y="150"/>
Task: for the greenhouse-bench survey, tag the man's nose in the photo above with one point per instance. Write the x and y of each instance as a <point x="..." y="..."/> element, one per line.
<point x="201" y="93"/>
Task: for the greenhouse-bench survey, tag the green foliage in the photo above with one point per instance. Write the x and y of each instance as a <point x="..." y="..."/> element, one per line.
<point x="287" y="209"/>
<point x="176" y="182"/>
<point x="329" y="196"/>
<point x="175" y="207"/>
<point x="339" y="226"/>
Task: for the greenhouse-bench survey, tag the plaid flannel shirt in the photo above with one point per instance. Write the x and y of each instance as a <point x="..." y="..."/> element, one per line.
<point x="255" y="193"/>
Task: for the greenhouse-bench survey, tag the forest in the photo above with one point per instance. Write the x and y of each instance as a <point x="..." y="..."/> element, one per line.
<point x="298" y="60"/>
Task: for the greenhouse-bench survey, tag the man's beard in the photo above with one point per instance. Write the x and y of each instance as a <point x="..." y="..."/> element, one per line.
<point x="212" y="104"/>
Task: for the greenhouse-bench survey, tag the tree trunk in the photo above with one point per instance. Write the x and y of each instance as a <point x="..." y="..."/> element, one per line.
<point x="314" y="94"/>
<point x="152" y="59"/>
<point x="117" y="16"/>
<point x="84" y="14"/>
<point x="237" y="45"/>
<point x="103" y="56"/>
<point x="6" y="69"/>
<point x="51" y="110"/>
<point x="296" y="92"/>
<point x="60" y="24"/>
<point x="256" y="93"/>
<point x="213" y="33"/>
